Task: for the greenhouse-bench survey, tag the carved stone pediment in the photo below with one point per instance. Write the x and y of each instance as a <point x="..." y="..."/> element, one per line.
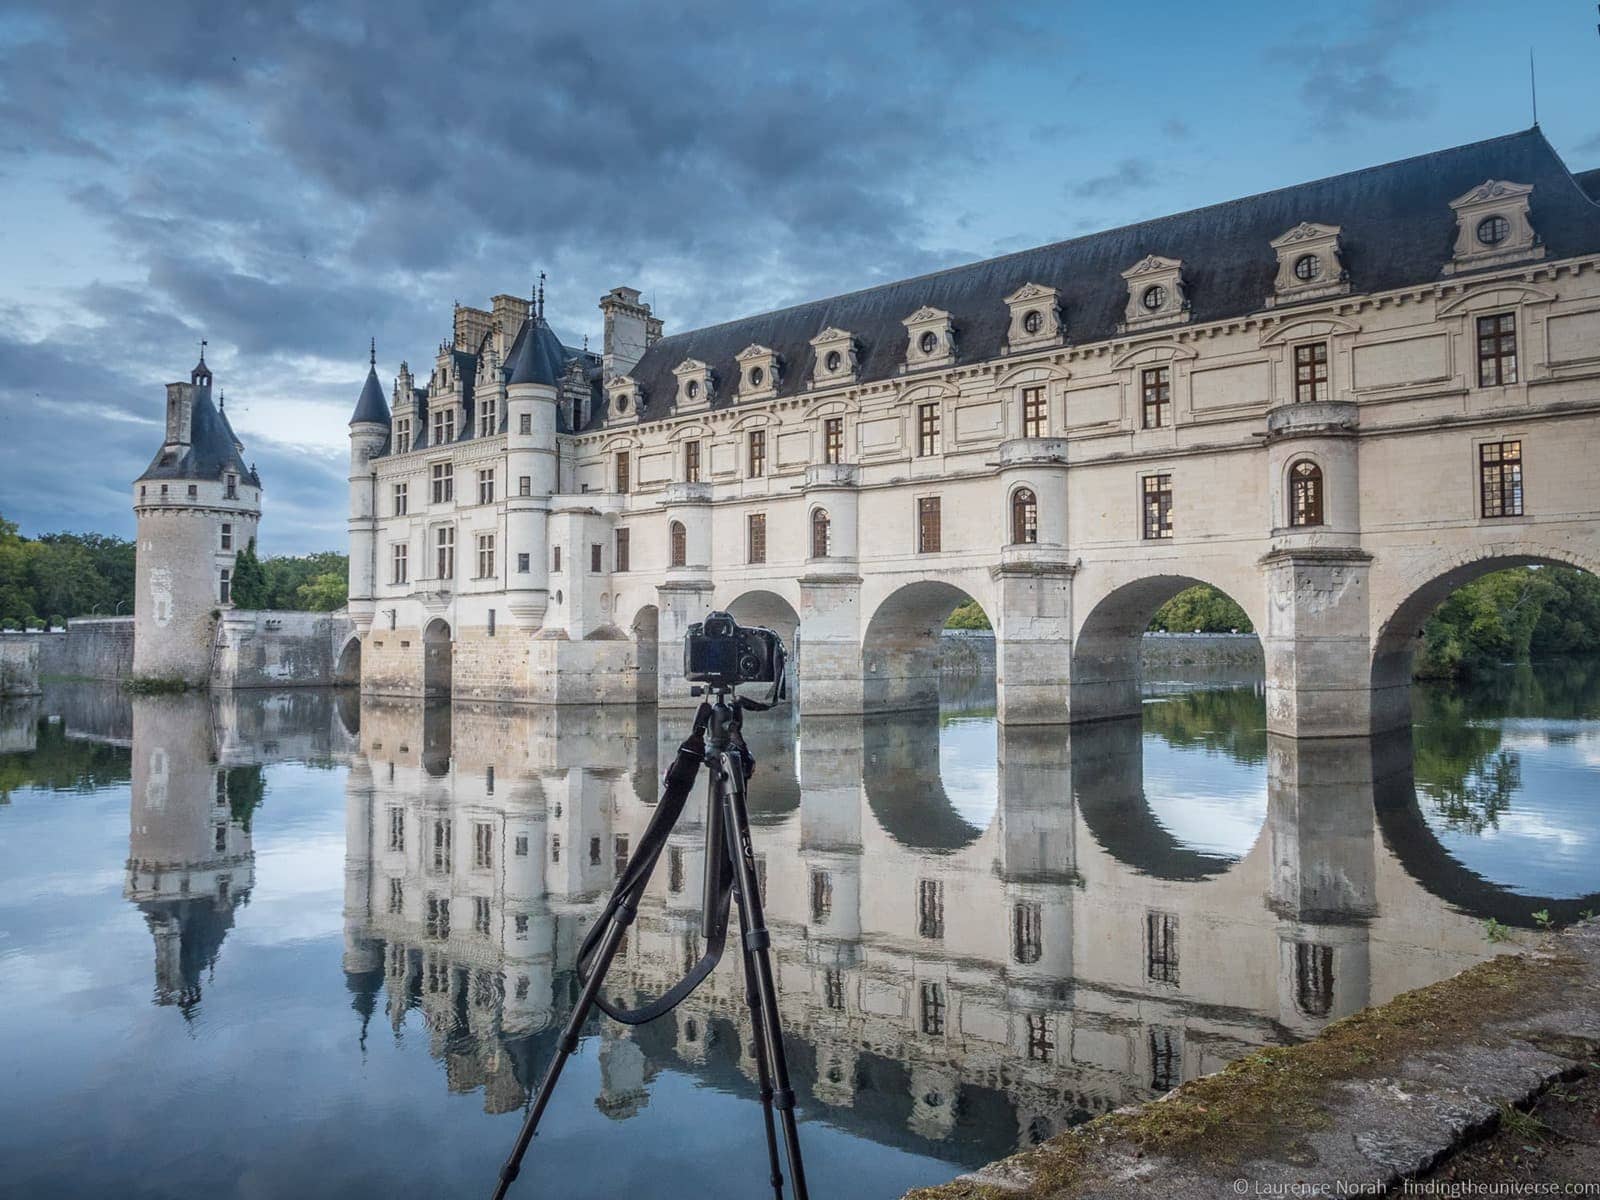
<point x="931" y="339"/>
<point x="1155" y="293"/>
<point x="1309" y="264"/>
<point x="758" y="372"/>
<point x="836" y="357"/>
<point x="1492" y="227"/>
<point x="1035" y="318"/>
<point x="695" y="383"/>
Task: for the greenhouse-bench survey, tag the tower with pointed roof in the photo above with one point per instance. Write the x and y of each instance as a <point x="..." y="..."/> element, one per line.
<point x="369" y="436"/>
<point x="196" y="506"/>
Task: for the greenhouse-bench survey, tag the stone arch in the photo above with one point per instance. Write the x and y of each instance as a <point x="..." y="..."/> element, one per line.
<point x="436" y="658"/>
<point x="768" y="609"/>
<point x="645" y="629"/>
<point x="1107" y="677"/>
<point x="1398" y="624"/>
<point x="347" y="667"/>
<point x="903" y="645"/>
<point x="905" y="789"/>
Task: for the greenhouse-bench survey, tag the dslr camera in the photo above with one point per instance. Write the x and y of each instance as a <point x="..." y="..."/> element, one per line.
<point x="721" y="653"/>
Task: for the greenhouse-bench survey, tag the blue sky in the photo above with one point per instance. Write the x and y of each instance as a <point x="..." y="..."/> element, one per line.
<point x="288" y="181"/>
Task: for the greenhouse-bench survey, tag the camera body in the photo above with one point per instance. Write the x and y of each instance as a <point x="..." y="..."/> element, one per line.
<point x="720" y="652"/>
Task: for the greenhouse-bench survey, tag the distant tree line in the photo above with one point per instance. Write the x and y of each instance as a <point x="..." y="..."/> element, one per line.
<point x="1518" y="615"/>
<point x="50" y="578"/>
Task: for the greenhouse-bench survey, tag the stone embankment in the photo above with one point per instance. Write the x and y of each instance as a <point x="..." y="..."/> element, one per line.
<point x="1376" y="1099"/>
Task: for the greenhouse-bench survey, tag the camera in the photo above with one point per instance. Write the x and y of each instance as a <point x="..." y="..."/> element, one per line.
<point x="722" y="653"/>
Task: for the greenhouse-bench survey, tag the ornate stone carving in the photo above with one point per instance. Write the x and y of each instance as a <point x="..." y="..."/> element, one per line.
<point x="1309" y="264"/>
<point x="1492" y="227"/>
<point x="836" y="358"/>
<point x="1035" y="318"/>
<point x="930" y="339"/>
<point x="1156" y="294"/>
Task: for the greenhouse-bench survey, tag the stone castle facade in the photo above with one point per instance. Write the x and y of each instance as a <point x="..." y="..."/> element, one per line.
<point x="1336" y="402"/>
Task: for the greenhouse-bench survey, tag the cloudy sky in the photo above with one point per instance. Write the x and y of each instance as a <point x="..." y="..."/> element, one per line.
<point x="287" y="179"/>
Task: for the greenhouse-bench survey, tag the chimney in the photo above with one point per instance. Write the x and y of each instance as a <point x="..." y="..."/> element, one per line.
<point x="180" y="413"/>
<point x="630" y="330"/>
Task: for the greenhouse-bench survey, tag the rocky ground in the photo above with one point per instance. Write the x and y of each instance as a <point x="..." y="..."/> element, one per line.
<point x="1557" y="1140"/>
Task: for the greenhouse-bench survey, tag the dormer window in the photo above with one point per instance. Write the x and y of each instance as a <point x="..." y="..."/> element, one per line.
<point x="623" y="392"/>
<point x="1035" y="318"/>
<point x="1492" y="227"/>
<point x="230" y="489"/>
<point x="694" y="382"/>
<point x="1309" y="266"/>
<point x="835" y="360"/>
<point x="932" y="336"/>
<point x="758" y="373"/>
<point x="1155" y="293"/>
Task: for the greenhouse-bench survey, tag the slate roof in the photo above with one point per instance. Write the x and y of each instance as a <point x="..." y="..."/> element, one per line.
<point x="1589" y="181"/>
<point x="371" y="408"/>
<point x="1398" y="229"/>
<point x="212" y="450"/>
<point x="537" y="356"/>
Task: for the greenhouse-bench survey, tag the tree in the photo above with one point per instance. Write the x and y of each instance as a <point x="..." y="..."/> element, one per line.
<point x="325" y="592"/>
<point x="969" y="616"/>
<point x="1202" y="609"/>
<point x="249" y="579"/>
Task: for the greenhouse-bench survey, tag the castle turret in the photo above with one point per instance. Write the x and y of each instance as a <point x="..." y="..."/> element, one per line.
<point x="369" y="437"/>
<point x="196" y="506"/>
<point x="537" y="362"/>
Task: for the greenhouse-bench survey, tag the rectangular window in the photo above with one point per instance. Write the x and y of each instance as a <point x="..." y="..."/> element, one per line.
<point x="231" y="490"/>
<point x="1165" y="1060"/>
<point x="758" y="537"/>
<point x="1161" y="947"/>
<point x="1311" y="372"/>
<point x="442" y="858"/>
<point x="833" y="440"/>
<point x="1156" y="384"/>
<point x="397" y="896"/>
<point x="221" y="839"/>
<point x="194" y="491"/>
<point x="399" y="553"/>
<point x="555" y="560"/>
<point x="622" y="550"/>
<point x="525" y="423"/>
<point x="397" y="828"/>
<point x="519" y="845"/>
<point x="930" y="908"/>
<point x="1157" y="506"/>
<point x="596" y="558"/>
<point x="1040" y="1042"/>
<point x="821" y="896"/>
<point x="928" y="539"/>
<point x="1500" y="478"/>
<point x="1034" y="412"/>
<point x="833" y="988"/>
<point x="927" y="429"/>
<point x="594" y="852"/>
<point x="444" y="426"/>
<point x="480" y="916"/>
<point x="933" y="1008"/>
<point x="1497" y="350"/>
<point x="444" y="545"/>
<point x="402" y="435"/>
<point x="482" y="846"/>
<point x="758" y="453"/>
<point x="623" y="473"/>
<point x="491" y="634"/>
<point x="227" y="536"/>
<point x="486" y="556"/>
<point x="488" y="417"/>
<point x="691" y="462"/>
<point x="522" y="564"/>
<point x="225" y="586"/>
<point x="1027" y="931"/>
<point x="444" y="483"/>
<point x="438" y="921"/>
<point x="555" y="847"/>
<point x="674" y="869"/>
<point x="619" y="853"/>
<point x="486" y="486"/>
<point x="402" y="499"/>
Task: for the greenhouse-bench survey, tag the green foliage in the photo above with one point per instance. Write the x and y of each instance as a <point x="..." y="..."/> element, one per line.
<point x="1230" y="721"/>
<point x="246" y="788"/>
<point x="1200" y="608"/>
<point x="249" y="579"/>
<point x="1516" y="616"/>
<point x="58" y="764"/>
<point x="325" y="592"/>
<point x="152" y="686"/>
<point x="1543" y="919"/>
<point x="969" y="616"/>
<point x="1496" y="932"/>
<point x="62" y="575"/>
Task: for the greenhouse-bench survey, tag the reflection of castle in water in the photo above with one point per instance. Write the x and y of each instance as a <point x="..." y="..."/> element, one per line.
<point x="976" y="984"/>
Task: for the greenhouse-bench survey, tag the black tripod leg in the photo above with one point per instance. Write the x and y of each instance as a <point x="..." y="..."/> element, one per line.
<point x="758" y="1024"/>
<point x="753" y="930"/>
<point x="569" y="1036"/>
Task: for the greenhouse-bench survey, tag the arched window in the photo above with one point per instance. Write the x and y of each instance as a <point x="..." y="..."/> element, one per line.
<point x="1305" y="493"/>
<point x="821" y="533"/>
<point x="1024" y="517"/>
<point x="680" y="544"/>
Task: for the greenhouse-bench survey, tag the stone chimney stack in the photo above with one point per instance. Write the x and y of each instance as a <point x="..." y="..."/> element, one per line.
<point x="509" y="314"/>
<point x="630" y="330"/>
<point x="180" y="413"/>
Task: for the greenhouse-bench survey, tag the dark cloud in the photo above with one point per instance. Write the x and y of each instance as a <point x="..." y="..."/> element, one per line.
<point x="1130" y="175"/>
<point x="1354" y="76"/>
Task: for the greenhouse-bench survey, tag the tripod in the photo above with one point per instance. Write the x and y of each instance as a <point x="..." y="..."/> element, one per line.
<point x="717" y="743"/>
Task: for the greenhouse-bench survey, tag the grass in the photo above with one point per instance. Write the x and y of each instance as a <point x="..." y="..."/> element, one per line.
<point x="151" y="686"/>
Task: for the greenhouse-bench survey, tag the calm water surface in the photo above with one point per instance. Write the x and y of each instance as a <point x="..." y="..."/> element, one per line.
<point x="296" y="944"/>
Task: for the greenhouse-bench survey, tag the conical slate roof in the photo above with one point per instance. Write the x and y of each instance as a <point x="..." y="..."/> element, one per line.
<point x="538" y="356"/>
<point x="212" y="451"/>
<point x="371" y="408"/>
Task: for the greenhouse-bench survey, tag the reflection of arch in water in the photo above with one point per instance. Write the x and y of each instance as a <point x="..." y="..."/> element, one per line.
<point x="347" y="669"/>
<point x="1394" y="646"/>
<point x="901" y="651"/>
<point x="1108" y="788"/>
<point x="645" y="628"/>
<point x="905" y="789"/>
<point x="436" y="653"/>
<point x="774" y="789"/>
<point x="1417" y="848"/>
<point x="436" y="733"/>
<point x="1106" y="669"/>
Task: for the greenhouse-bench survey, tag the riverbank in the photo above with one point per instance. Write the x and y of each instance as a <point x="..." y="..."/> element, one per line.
<point x="1382" y="1096"/>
